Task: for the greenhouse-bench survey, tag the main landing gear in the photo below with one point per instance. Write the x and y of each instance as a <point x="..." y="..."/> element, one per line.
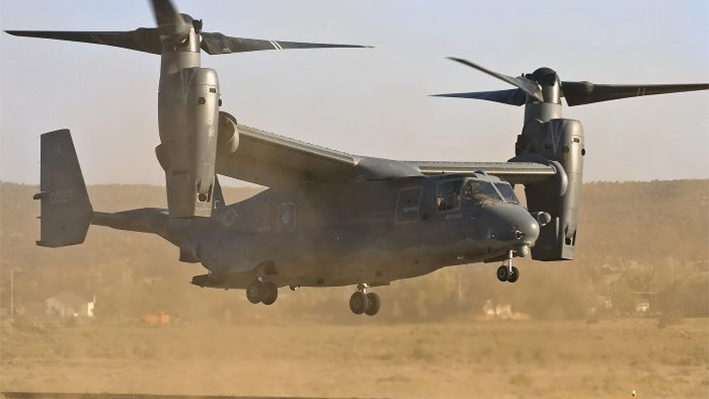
<point x="363" y="302"/>
<point x="262" y="292"/>
<point x="508" y="272"/>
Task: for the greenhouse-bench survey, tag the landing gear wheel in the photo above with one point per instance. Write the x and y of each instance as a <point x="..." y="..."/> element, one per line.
<point x="373" y="304"/>
<point x="514" y="276"/>
<point x="270" y="293"/>
<point x="503" y="273"/>
<point x="254" y="293"/>
<point x="359" y="302"/>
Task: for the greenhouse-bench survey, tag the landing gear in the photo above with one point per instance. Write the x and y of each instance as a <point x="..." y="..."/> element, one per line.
<point x="514" y="275"/>
<point x="359" y="302"/>
<point x="374" y="304"/>
<point x="254" y="292"/>
<point x="508" y="272"/>
<point x="270" y="293"/>
<point x="363" y="302"/>
<point x="259" y="292"/>
<point x="504" y="274"/>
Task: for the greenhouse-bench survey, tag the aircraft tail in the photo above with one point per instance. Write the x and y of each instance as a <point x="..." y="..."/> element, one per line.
<point x="65" y="208"/>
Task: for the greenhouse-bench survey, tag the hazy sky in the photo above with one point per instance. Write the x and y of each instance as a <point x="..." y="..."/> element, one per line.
<point x="368" y="102"/>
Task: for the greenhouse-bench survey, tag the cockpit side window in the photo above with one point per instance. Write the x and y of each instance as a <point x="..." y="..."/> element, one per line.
<point x="507" y="193"/>
<point x="480" y="191"/>
<point x="448" y="197"/>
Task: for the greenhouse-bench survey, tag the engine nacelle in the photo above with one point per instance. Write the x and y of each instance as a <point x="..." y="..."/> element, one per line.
<point x="560" y="143"/>
<point x="188" y="118"/>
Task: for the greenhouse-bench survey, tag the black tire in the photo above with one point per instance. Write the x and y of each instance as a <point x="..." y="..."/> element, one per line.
<point x="270" y="293"/>
<point x="514" y="276"/>
<point x="502" y="273"/>
<point x="358" y="302"/>
<point x="374" y="303"/>
<point x="254" y="293"/>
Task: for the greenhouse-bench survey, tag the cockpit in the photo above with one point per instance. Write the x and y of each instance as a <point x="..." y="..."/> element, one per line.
<point x="468" y="192"/>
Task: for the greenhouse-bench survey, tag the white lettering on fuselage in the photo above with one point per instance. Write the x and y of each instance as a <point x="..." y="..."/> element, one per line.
<point x="61" y="197"/>
<point x="179" y="223"/>
<point x="229" y="217"/>
<point x="455" y="216"/>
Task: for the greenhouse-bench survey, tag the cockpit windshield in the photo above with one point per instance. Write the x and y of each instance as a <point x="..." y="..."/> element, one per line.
<point x="507" y="193"/>
<point x="480" y="191"/>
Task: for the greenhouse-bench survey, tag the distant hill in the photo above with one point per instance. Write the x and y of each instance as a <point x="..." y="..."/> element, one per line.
<point x="644" y="221"/>
<point x="658" y="227"/>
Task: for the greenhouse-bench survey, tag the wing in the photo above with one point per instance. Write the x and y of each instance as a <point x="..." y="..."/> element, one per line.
<point x="276" y="161"/>
<point x="272" y="160"/>
<point x="513" y="172"/>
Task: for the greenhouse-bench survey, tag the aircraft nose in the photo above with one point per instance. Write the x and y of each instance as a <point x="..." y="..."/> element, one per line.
<point x="513" y="224"/>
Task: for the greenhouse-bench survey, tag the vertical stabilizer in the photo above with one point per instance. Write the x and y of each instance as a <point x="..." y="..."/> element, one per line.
<point x="65" y="208"/>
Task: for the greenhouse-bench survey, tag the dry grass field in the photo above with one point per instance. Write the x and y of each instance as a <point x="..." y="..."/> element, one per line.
<point x="429" y="341"/>
<point x="473" y="359"/>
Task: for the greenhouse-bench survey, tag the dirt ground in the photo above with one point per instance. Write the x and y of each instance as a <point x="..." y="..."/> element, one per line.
<point x="471" y="359"/>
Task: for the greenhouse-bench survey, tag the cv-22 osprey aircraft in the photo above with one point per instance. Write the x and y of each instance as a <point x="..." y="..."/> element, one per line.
<point x="329" y="218"/>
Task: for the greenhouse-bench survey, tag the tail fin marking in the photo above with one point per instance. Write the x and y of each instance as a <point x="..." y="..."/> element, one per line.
<point x="65" y="208"/>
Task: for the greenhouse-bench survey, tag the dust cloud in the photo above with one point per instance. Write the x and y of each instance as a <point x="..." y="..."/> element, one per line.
<point x="629" y="314"/>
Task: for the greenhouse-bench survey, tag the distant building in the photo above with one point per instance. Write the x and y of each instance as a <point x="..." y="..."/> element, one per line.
<point x="504" y="311"/>
<point x="642" y="307"/>
<point x="604" y="302"/>
<point x="492" y="309"/>
<point x="69" y="304"/>
<point x="646" y="302"/>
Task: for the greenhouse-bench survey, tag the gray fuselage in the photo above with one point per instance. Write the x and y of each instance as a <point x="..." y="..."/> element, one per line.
<point x="373" y="232"/>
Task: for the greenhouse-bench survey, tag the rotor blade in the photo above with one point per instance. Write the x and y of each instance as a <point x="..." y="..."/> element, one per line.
<point x="218" y="43"/>
<point x="511" y="96"/>
<point x="530" y="87"/>
<point x="171" y="25"/>
<point x="579" y="93"/>
<point x="143" y="39"/>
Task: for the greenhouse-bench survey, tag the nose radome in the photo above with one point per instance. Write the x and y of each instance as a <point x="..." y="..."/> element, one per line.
<point x="513" y="223"/>
<point x="529" y="227"/>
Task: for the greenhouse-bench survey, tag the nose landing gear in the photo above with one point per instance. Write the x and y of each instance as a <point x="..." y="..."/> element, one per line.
<point x="259" y="292"/>
<point x="508" y="272"/>
<point x="363" y="302"/>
